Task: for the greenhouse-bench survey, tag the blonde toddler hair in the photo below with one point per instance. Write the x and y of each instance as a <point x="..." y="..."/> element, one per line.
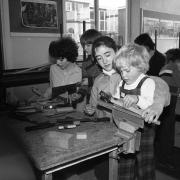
<point x="134" y="55"/>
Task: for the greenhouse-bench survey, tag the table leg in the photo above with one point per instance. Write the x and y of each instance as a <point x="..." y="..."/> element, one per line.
<point x="47" y="177"/>
<point x="113" y="165"/>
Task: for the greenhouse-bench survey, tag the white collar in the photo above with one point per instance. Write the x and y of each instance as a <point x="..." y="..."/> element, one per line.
<point x="134" y="84"/>
<point x="109" y="73"/>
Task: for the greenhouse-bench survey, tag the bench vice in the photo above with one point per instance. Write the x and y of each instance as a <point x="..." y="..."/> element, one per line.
<point x="128" y="123"/>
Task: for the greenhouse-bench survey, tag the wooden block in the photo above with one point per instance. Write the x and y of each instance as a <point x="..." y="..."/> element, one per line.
<point x="127" y="126"/>
<point x="64" y="109"/>
<point x="81" y="135"/>
<point x="130" y="146"/>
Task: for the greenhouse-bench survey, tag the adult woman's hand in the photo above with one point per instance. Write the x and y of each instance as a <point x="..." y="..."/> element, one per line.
<point x="152" y="113"/>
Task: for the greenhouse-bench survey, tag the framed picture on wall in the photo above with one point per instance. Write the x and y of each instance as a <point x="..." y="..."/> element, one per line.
<point x="39" y="14"/>
<point x="35" y="16"/>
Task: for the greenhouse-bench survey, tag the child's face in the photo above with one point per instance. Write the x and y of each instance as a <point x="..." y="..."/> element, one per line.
<point x="129" y="73"/>
<point x="105" y="56"/>
<point x="62" y="63"/>
<point x="88" y="48"/>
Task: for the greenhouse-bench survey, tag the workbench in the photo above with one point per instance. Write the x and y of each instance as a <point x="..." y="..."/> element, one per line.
<point x="101" y="139"/>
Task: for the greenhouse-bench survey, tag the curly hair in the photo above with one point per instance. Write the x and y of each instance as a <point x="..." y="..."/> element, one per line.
<point x="65" y="47"/>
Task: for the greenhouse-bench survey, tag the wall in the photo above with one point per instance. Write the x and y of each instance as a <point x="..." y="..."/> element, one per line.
<point x="23" y="49"/>
<point x="27" y="50"/>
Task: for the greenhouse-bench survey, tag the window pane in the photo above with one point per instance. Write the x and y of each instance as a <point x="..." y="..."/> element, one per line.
<point x="102" y="26"/>
<point x="78" y="11"/>
<point x="112" y="18"/>
<point x="115" y="20"/>
<point x="102" y="15"/>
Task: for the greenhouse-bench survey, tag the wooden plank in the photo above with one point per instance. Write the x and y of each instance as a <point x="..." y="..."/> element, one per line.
<point x="47" y="177"/>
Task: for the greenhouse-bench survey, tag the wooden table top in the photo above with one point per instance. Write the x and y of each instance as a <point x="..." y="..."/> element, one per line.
<point x="100" y="137"/>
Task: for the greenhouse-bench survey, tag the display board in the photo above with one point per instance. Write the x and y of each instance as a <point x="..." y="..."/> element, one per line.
<point x="35" y="16"/>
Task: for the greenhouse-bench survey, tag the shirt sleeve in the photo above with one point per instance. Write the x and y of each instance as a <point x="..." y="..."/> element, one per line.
<point x="162" y="93"/>
<point x="94" y="95"/>
<point x="116" y="93"/>
<point x="147" y="94"/>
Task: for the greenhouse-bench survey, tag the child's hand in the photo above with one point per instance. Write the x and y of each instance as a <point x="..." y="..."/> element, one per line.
<point x="129" y="100"/>
<point x="89" y="109"/>
<point x="75" y="96"/>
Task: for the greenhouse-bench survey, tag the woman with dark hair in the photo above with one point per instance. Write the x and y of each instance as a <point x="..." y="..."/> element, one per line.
<point x="104" y="51"/>
<point x="63" y="54"/>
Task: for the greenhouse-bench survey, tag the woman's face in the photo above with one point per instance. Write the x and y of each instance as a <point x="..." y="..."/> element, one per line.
<point x="88" y="48"/>
<point x="62" y="63"/>
<point x="105" y="56"/>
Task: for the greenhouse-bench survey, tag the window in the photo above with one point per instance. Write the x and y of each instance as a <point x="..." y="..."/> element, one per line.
<point x="166" y="26"/>
<point x="163" y="18"/>
<point x="111" y="18"/>
<point x="102" y="20"/>
<point x="112" y="22"/>
<point x="68" y="6"/>
<point x="92" y="18"/>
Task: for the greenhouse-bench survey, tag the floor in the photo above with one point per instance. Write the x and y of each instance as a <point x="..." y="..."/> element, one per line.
<point x="166" y="173"/>
<point x="163" y="176"/>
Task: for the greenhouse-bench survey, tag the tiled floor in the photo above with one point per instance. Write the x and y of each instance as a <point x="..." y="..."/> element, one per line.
<point x="163" y="176"/>
<point x="164" y="173"/>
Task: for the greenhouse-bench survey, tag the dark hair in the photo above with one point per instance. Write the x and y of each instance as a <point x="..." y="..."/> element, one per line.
<point x="173" y="54"/>
<point x="89" y="36"/>
<point x="103" y="41"/>
<point x="145" y="40"/>
<point x="65" y="47"/>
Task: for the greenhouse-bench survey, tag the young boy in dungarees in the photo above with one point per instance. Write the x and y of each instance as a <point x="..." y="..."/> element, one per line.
<point x="136" y="89"/>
